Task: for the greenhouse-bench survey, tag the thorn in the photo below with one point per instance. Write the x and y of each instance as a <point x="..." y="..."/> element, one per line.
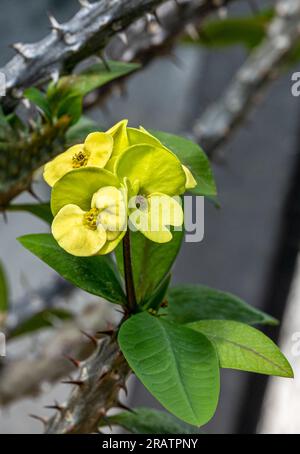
<point x="149" y="17"/>
<point x="85" y="3"/>
<point x="32" y="123"/>
<point x="123" y="37"/>
<point x="124" y="387"/>
<point x="34" y="195"/>
<point x="55" y="76"/>
<point x="74" y="361"/>
<point x="124" y="407"/>
<point x="115" y="376"/>
<point x="105" y="62"/>
<point x="73" y="382"/>
<point x="21" y="50"/>
<point x="44" y="421"/>
<point x="155" y="14"/>
<point x="105" y="372"/>
<point x="108" y="332"/>
<point x="192" y="31"/>
<point x="90" y="337"/>
<point x="55" y="25"/>
<point x="56" y="406"/>
<point x="120" y="311"/>
<point x="26" y="103"/>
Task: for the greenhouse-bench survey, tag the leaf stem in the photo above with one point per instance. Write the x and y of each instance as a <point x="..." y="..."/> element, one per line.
<point x="129" y="284"/>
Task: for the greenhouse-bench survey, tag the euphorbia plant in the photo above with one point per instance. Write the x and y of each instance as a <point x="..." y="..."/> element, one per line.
<point x="117" y="203"/>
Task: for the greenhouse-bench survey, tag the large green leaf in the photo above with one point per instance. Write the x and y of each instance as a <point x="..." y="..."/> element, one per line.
<point x="193" y="157"/>
<point x="96" y="275"/>
<point x="243" y="347"/>
<point x="40" y="210"/>
<point x="39" y="99"/>
<point x="180" y="369"/>
<point x="94" y="77"/>
<point x="189" y="303"/>
<point x="151" y="262"/>
<point x="43" y="319"/>
<point x="248" y="31"/>
<point x="3" y="294"/>
<point x="149" y="421"/>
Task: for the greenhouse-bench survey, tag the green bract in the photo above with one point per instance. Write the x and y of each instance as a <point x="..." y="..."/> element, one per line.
<point x="155" y="169"/>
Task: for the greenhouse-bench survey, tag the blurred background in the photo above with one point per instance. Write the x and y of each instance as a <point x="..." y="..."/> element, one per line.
<point x="251" y="243"/>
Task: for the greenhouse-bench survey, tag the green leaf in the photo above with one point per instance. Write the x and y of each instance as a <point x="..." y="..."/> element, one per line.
<point x="40" y="210"/>
<point x="243" y="347"/>
<point x="96" y="275"/>
<point x="180" y="369"/>
<point x="247" y="31"/>
<point x="189" y="303"/>
<point x="43" y="319"/>
<point x="71" y="106"/>
<point x="149" y="421"/>
<point x="151" y="262"/>
<point x="39" y="99"/>
<point x="193" y="157"/>
<point x="3" y="294"/>
<point x="94" y="77"/>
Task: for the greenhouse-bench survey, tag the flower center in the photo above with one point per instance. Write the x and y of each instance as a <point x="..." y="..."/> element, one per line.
<point x="141" y="203"/>
<point x="90" y="218"/>
<point x="80" y="159"/>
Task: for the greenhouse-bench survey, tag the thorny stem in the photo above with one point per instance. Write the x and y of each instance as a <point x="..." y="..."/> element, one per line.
<point x="129" y="284"/>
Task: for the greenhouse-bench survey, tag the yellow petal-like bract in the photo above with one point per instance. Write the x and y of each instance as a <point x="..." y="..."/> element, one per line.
<point x="123" y="178"/>
<point x="95" y="151"/>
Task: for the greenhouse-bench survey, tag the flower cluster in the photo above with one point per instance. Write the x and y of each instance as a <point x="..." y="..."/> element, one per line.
<point x="118" y="179"/>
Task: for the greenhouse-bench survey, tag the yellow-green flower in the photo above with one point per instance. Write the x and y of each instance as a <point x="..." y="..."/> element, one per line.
<point x="154" y="176"/>
<point x="95" y="151"/>
<point x="125" y="137"/>
<point x="142" y="180"/>
<point x="96" y="231"/>
<point x="152" y="216"/>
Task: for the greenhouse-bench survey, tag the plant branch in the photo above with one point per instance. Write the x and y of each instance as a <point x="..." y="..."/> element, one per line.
<point x="95" y="392"/>
<point x="86" y="34"/>
<point x="25" y="376"/>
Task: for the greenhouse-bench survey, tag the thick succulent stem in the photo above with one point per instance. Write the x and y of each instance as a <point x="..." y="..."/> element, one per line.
<point x="94" y="392"/>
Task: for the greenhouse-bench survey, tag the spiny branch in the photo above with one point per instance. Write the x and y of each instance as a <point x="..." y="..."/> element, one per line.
<point x="94" y="393"/>
<point x="23" y="377"/>
<point x="144" y="43"/>
<point x="86" y="34"/>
